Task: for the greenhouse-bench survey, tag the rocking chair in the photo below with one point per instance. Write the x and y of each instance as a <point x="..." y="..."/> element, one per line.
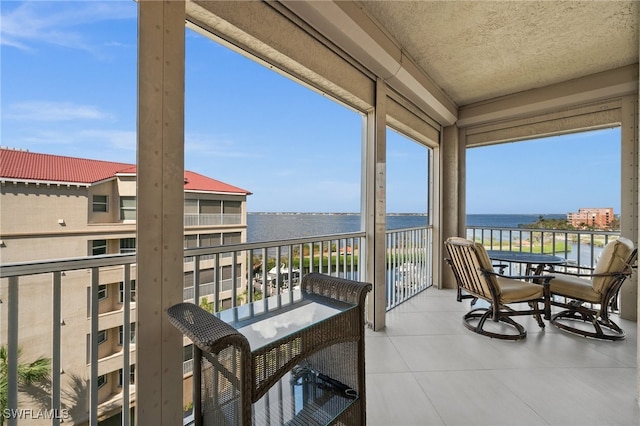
<point x="590" y="295"/>
<point x="476" y="279"/>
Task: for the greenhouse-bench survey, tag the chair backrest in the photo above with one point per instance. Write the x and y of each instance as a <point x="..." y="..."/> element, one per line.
<point x="468" y="259"/>
<point x="617" y="257"/>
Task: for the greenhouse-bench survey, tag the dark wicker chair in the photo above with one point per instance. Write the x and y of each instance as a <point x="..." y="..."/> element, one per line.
<point x="221" y="367"/>
<point x="476" y="279"/>
<point x="586" y="298"/>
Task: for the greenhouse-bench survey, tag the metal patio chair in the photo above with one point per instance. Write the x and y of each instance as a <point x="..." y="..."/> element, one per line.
<point x="476" y="279"/>
<point x="590" y="295"/>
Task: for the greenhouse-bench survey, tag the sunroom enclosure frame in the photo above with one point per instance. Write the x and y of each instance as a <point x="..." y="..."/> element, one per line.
<point x="405" y="100"/>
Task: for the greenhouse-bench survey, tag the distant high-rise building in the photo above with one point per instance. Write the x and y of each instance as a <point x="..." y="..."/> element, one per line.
<point x="600" y="217"/>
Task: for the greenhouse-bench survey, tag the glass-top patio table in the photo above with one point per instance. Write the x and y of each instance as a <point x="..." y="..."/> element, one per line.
<point x="535" y="262"/>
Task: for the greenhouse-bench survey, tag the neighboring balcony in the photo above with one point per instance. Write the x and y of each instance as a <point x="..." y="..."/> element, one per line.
<point x="194" y="219"/>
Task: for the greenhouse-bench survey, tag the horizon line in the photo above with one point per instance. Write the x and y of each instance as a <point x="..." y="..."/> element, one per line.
<point x="396" y="213"/>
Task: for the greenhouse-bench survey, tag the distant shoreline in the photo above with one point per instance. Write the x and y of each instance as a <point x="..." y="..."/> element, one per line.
<point x="270" y="226"/>
<point x="329" y="214"/>
<point x="400" y="214"/>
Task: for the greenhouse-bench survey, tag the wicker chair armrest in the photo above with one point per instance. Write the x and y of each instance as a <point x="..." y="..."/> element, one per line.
<point x="337" y="288"/>
<point x="205" y="330"/>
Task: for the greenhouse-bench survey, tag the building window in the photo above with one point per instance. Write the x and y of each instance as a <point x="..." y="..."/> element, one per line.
<point x="121" y="334"/>
<point x="191" y="206"/>
<point x="232" y="207"/>
<point x="210" y="207"/>
<point x="190" y="241"/>
<point x="132" y="376"/>
<point x="133" y="292"/>
<point x="102" y="336"/>
<point x="98" y="247"/>
<point x="100" y="203"/>
<point x="187" y="353"/>
<point x="209" y="240"/>
<point x="102" y="291"/>
<point x="127" y="208"/>
<point x="102" y="380"/>
<point x="232" y="238"/>
<point x="127" y="245"/>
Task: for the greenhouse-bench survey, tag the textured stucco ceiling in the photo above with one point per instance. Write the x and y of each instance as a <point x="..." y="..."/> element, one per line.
<point x="478" y="50"/>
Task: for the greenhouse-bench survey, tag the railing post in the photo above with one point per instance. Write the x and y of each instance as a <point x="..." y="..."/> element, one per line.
<point x="126" y="345"/>
<point x="55" y="350"/>
<point x="93" y="347"/>
<point x="12" y="350"/>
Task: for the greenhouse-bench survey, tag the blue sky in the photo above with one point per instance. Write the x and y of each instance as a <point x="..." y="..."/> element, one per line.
<point x="69" y="88"/>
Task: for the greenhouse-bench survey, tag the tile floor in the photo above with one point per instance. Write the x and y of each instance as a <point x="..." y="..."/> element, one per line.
<point x="426" y="368"/>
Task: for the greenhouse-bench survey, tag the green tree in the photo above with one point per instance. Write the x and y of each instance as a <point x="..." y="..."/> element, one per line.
<point x="206" y="305"/>
<point x="543" y="223"/>
<point x="35" y="373"/>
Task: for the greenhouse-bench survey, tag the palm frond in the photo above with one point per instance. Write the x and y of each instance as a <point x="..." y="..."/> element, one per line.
<point x="35" y="372"/>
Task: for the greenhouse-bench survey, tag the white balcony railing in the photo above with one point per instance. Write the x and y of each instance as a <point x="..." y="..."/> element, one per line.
<point x="195" y="219"/>
<point x="580" y="248"/>
<point x="264" y="268"/>
<point x="409" y="263"/>
<point x="52" y="276"/>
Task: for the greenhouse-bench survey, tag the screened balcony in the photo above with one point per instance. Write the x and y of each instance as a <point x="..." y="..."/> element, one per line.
<point x="417" y="368"/>
<point x="441" y="73"/>
<point x="449" y="76"/>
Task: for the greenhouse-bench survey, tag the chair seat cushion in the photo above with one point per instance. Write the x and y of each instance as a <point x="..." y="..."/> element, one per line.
<point x="516" y="290"/>
<point x="574" y="287"/>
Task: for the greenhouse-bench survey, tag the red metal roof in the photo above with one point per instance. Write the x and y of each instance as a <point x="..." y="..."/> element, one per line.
<point x="31" y="166"/>
<point x="197" y="182"/>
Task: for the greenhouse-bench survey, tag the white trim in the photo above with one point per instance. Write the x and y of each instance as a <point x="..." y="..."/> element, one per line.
<point x="204" y="191"/>
<point x="44" y="182"/>
<point x="98" y="182"/>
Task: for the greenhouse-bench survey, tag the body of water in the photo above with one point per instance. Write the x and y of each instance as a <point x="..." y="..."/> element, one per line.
<point x="280" y="226"/>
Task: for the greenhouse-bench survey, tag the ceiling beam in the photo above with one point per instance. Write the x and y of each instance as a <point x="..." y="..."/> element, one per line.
<point x="593" y="88"/>
<point x="346" y="25"/>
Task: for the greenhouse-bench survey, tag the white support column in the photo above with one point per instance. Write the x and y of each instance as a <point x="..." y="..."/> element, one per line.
<point x="160" y="209"/>
<point x="452" y="201"/>
<point x="636" y="118"/>
<point x="629" y="225"/>
<point x="375" y="207"/>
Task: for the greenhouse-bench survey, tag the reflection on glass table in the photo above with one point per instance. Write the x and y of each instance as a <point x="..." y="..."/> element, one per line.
<point x="535" y="263"/>
<point x="310" y="398"/>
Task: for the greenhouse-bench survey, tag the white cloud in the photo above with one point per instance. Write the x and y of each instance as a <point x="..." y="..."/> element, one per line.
<point x="34" y="22"/>
<point x="87" y="143"/>
<point x="53" y="111"/>
<point x="125" y="140"/>
<point x="199" y="145"/>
